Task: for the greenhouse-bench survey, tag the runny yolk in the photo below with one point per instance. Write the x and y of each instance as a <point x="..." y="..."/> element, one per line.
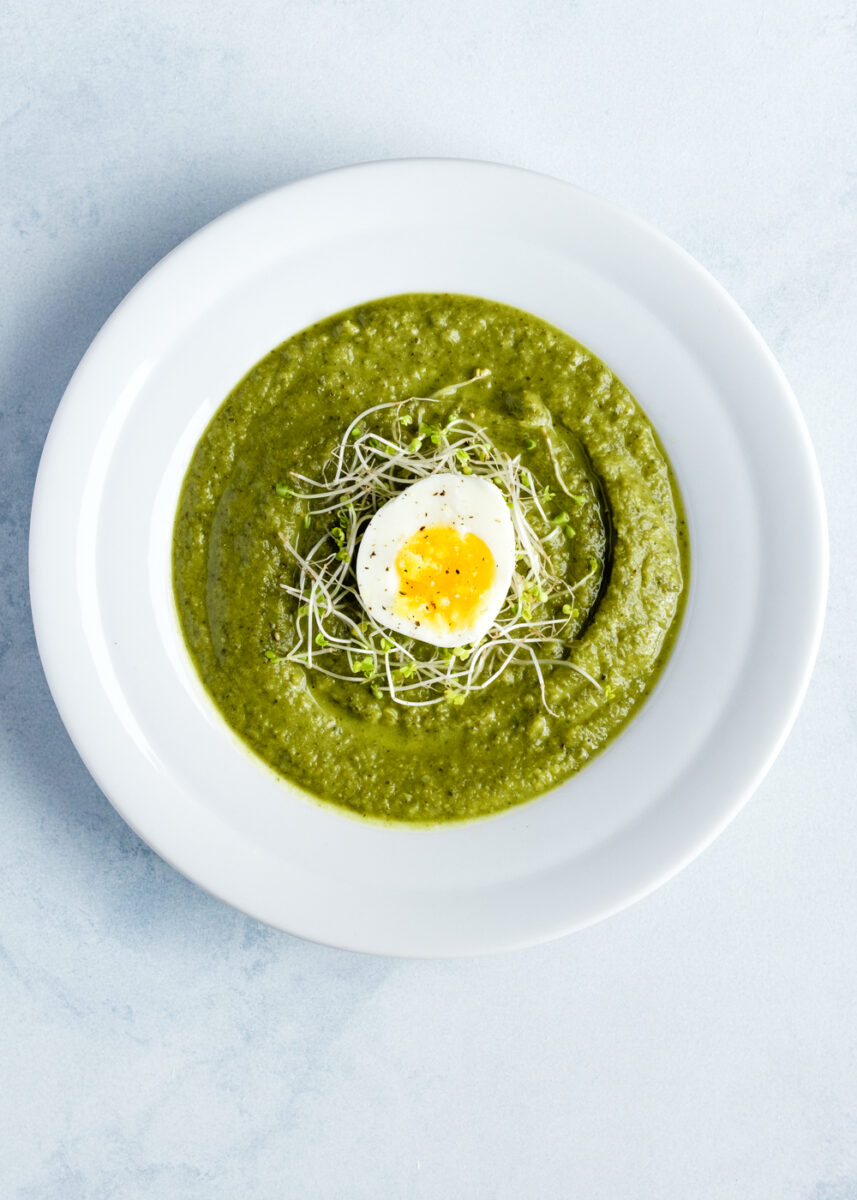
<point x="443" y="577"/>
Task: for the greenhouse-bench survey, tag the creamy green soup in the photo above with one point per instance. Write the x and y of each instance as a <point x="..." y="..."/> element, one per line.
<point x="606" y="485"/>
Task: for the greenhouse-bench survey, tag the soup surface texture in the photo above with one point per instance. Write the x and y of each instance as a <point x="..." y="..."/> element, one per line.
<point x="380" y="723"/>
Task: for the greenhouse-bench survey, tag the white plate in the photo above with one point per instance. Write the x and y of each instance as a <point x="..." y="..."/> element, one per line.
<point x="107" y="491"/>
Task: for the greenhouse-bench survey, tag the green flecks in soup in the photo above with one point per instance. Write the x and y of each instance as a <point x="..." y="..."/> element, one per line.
<point x="404" y="730"/>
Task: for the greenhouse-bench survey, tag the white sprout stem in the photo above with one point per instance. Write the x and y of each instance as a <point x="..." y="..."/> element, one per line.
<point x="556" y="469"/>
<point x="541" y="679"/>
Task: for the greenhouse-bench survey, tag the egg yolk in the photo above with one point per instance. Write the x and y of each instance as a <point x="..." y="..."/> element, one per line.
<point x="443" y="577"/>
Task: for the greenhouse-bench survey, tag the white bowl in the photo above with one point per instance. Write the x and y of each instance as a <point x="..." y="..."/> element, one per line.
<point x="107" y="492"/>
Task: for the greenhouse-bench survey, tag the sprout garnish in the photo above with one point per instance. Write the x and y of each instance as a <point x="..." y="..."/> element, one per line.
<point x="338" y="638"/>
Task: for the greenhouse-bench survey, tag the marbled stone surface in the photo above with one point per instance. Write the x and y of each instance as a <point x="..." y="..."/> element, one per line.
<point x="154" y="1043"/>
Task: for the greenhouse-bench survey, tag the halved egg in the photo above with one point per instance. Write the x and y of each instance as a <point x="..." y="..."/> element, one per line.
<point x="436" y="561"/>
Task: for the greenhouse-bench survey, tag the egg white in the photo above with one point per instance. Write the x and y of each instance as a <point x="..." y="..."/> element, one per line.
<point x="463" y="502"/>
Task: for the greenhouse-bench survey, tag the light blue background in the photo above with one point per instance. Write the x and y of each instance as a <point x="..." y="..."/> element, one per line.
<point x="153" y="1043"/>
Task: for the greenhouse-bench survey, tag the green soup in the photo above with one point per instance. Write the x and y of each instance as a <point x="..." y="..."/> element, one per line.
<point x="607" y="486"/>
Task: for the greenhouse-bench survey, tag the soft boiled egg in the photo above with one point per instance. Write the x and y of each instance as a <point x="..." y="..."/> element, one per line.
<point x="436" y="561"/>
